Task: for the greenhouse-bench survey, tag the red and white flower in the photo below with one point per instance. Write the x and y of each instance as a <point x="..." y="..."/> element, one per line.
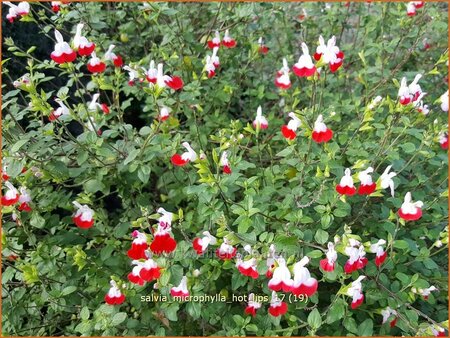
<point x="81" y="43"/>
<point x="62" y="52"/>
<point x="248" y="267"/>
<point x="260" y="122"/>
<point x="84" y="216"/>
<point x="408" y="94"/>
<point x="133" y="74"/>
<point x="215" y="58"/>
<point x="215" y="42"/>
<point x="389" y="313"/>
<point x="305" y="66"/>
<point x="374" y="102"/>
<point x="420" y="106"/>
<point x="95" y="65"/>
<point x="304" y="284"/>
<point x="181" y="290"/>
<point x="367" y="185"/>
<point x="226" y="250"/>
<point x="329" y="53"/>
<point x="355" y="291"/>
<point x="277" y="307"/>
<point x="95" y="106"/>
<point x="162" y="241"/>
<point x="24" y="200"/>
<point x="224" y="163"/>
<point x="61" y="110"/>
<point x="411" y="9"/>
<point x="174" y="82"/>
<point x="386" y="179"/>
<point x="188" y="156"/>
<point x="5" y="175"/>
<point x="114" y="295"/>
<point x="438" y="331"/>
<point x="138" y="246"/>
<point x="134" y="276"/>
<point x="425" y="293"/>
<point x="289" y="131"/>
<point x="262" y="49"/>
<point x="281" y="278"/>
<point x="22" y="81"/>
<point x="328" y="264"/>
<point x="150" y="270"/>
<point x="22" y="9"/>
<point x="270" y="262"/>
<point x="164" y="113"/>
<point x="151" y="73"/>
<point x="378" y="249"/>
<point x="356" y="259"/>
<point x="282" y="79"/>
<point x="444" y="101"/>
<point x="443" y="140"/>
<point x="321" y="133"/>
<point x="410" y="211"/>
<point x="210" y="69"/>
<point x="252" y="306"/>
<point x="201" y="244"/>
<point x="56" y="6"/>
<point x="115" y="58"/>
<point x="11" y="196"/>
<point x="228" y="41"/>
<point x="346" y="186"/>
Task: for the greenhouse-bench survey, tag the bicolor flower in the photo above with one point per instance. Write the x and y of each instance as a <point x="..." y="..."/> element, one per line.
<point x="345" y="186"/>
<point x="188" y="156"/>
<point x="378" y="249"/>
<point x="174" y="82"/>
<point x="150" y="270"/>
<point x="11" y="196"/>
<point x="215" y="58"/>
<point x="115" y="58"/>
<point x="114" y="295"/>
<point x="355" y="291"/>
<point x="356" y="259"/>
<point x="181" y="290"/>
<point x="386" y="179"/>
<point x="281" y="279"/>
<point x="95" y="65"/>
<point x="305" y="66"/>
<point x="443" y="140"/>
<point x="138" y="246"/>
<point x="415" y="90"/>
<point x="289" y="131"/>
<point x="410" y="211"/>
<point x="224" y="163"/>
<point x="410" y="9"/>
<point x="133" y="74"/>
<point x="81" y="44"/>
<point x="260" y="121"/>
<point x="215" y="41"/>
<point x="151" y="73"/>
<point x="277" y="307"/>
<point x="226" y="250"/>
<point x="56" y="6"/>
<point x="162" y="241"/>
<point x="262" y="49"/>
<point x="388" y="313"/>
<point x="5" y="175"/>
<point x="95" y="106"/>
<point x="84" y="216"/>
<point x="61" y="110"/>
<point x="438" y="331"/>
<point x="22" y="9"/>
<point x="408" y="94"/>
<point x="24" y="200"/>
<point x="328" y="264"/>
<point x="444" y="101"/>
<point x="248" y="267"/>
<point x="228" y="41"/>
<point x="201" y="244"/>
<point x="374" y="102"/>
<point x="367" y="185"/>
<point x="329" y="53"/>
<point x="22" y="81"/>
<point x="164" y="113"/>
<point x="209" y="67"/>
<point x="304" y="284"/>
<point x="62" y="52"/>
<point x="134" y="276"/>
<point x="425" y="293"/>
<point x="252" y="306"/>
<point x="321" y="133"/>
<point x="282" y="79"/>
<point x="270" y="262"/>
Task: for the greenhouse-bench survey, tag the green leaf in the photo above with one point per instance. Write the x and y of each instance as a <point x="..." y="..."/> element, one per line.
<point x="314" y="319"/>
<point x="131" y="156"/>
<point x="118" y="318"/>
<point x="336" y="312"/>
<point x="84" y="313"/>
<point x="366" y="328"/>
<point x="321" y="236"/>
<point x="68" y="290"/>
<point x="18" y="145"/>
<point x="194" y="309"/>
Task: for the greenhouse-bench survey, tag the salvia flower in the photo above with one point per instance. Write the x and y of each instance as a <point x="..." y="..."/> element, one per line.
<point x="304" y="284"/>
<point x="443" y="140"/>
<point x="438" y="331"/>
<point x="374" y="102"/>
<point x="282" y="79"/>
<point x="356" y="259"/>
<point x="262" y="49"/>
<point x="378" y="249"/>
<point x="410" y="211"/>
<point x="174" y="82"/>
<point x="444" y="101"/>
<point x="95" y="106"/>
<point x="425" y="293"/>
<point x="228" y="41"/>
<point x="134" y="276"/>
<point x="150" y="270"/>
<point x="24" y="200"/>
<point x="181" y="290"/>
<point x="115" y="58"/>
<point x="345" y="186"/>
<point x="386" y="179"/>
<point x="226" y="251"/>
<point x="321" y="133"/>
<point x="252" y="306"/>
<point x="328" y="264"/>
<point x="355" y="291"/>
<point x="224" y="163"/>
<point x="389" y="313"/>
<point x="305" y="66"/>
<point x="62" y="52"/>
<point x="138" y="246"/>
<point x="151" y="73"/>
<point x="114" y="295"/>
<point x="367" y="186"/>
<point x="61" y="110"/>
<point x="281" y="278"/>
<point x="260" y="122"/>
<point x="81" y="43"/>
<point x="412" y="6"/>
<point x="289" y="131"/>
<point x="22" y="9"/>
<point x="11" y="196"/>
<point x="210" y="69"/>
<point x="84" y="216"/>
<point x="95" y="65"/>
<point x="201" y="244"/>
<point x="270" y="262"/>
<point x="56" y="6"/>
<point x="162" y="241"/>
<point x="133" y="74"/>
<point x="248" y="267"/>
<point x="215" y="41"/>
<point x="329" y="53"/>
<point x="164" y="113"/>
<point x="22" y="81"/>
<point x="277" y="307"/>
<point x="188" y="156"/>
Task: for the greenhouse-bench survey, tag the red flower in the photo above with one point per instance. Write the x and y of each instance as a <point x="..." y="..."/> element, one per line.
<point x="174" y="82"/>
<point x="410" y="211"/>
<point x="84" y="217"/>
<point x="346" y="187"/>
<point x="321" y="133"/>
<point x="114" y="296"/>
<point x="228" y="41"/>
<point x="289" y="130"/>
<point x="138" y="246"/>
<point x="163" y="242"/>
<point x="11" y="196"/>
<point x="215" y="42"/>
<point x="95" y="65"/>
<point x="62" y="53"/>
<point x="186" y="157"/>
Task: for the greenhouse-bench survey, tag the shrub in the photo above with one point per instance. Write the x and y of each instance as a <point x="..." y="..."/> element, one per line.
<point x="318" y="185"/>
